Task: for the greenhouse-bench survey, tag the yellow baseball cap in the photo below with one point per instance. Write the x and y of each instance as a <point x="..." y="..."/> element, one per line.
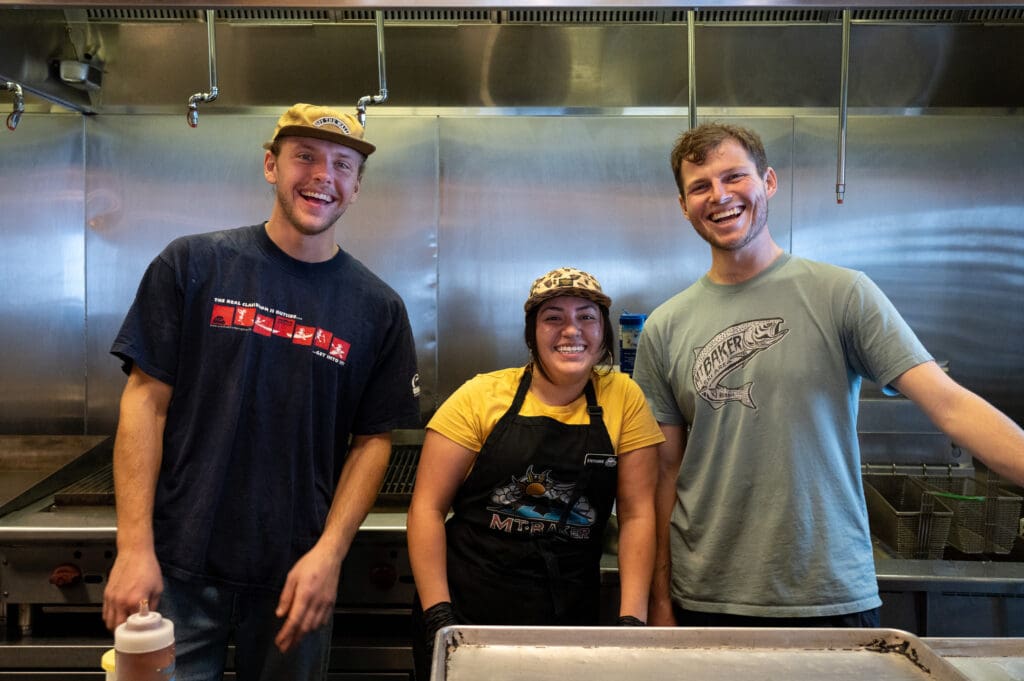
<point x="321" y="122"/>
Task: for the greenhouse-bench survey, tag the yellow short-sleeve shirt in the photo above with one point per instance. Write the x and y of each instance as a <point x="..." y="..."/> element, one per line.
<point x="470" y="414"/>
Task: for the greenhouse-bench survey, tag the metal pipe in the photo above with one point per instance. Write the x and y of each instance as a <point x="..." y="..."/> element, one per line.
<point x="19" y="103"/>
<point x="193" y="101"/>
<point x="844" y="87"/>
<point x="691" y="48"/>
<point x="382" y="96"/>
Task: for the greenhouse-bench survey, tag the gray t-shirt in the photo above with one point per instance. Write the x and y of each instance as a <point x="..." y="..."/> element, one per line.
<point x="770" y="518"/>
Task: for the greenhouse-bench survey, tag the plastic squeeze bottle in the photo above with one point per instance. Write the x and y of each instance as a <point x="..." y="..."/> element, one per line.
<point x="144" y="647"/>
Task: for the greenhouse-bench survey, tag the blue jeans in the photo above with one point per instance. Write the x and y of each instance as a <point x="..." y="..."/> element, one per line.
<point x="207" y="618"/>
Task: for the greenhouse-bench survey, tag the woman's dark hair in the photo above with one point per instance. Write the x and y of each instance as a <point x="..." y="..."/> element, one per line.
<point x="530" y="336"/>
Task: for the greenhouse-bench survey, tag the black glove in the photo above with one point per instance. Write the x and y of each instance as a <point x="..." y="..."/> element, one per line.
<point x="435" y="618"/>
<point x="630" y="621"/>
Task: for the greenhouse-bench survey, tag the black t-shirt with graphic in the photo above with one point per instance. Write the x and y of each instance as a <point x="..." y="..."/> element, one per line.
<point x="274" y="363"/>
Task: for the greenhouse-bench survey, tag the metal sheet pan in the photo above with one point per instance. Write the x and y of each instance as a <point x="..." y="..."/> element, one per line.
<point x="697" y="654"/>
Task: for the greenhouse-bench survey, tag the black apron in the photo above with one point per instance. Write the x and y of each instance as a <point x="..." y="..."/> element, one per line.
<point x="525" y="538"/>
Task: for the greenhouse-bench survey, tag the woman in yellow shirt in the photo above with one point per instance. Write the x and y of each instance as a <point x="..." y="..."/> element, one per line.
<point x="529" y="461"/>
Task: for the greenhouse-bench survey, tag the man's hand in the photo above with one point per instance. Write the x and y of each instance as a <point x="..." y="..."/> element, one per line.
<point x="311" y="588"/>
<point x="307" y="601"/>
<point x="135" y="577"/>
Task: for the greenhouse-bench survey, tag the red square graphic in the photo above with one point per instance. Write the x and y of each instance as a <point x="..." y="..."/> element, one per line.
<point x="264" y="325"/>
<point x="222" y="315"/>
<point x="303" y="334"/>
<point x="284" y="326"/>
<point x="245" y="316"/>
<point x="339" y="348"/>
<point x="323" y="339"/>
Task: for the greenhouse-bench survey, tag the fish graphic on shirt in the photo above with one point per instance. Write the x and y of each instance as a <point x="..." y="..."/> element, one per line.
<point x="729" y="350"/>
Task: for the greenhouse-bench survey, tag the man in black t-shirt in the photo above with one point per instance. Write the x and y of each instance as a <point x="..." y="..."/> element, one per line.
<point x="266" y="368"/>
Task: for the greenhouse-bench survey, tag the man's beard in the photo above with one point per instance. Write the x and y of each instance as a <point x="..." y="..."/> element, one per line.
<point x="756" y="227"/>
<point x="291" y="213"/>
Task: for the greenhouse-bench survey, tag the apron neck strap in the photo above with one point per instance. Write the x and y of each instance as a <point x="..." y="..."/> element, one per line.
<point x="524" y="386"/>
<point x="593" y="408"/>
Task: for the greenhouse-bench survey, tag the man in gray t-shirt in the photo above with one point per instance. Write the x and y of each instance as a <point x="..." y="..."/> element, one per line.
<point x="754" y="373"/>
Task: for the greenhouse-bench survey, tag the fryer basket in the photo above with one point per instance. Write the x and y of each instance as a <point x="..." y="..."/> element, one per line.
<point x="912" y="521"/>
<point x="985" y="515"/>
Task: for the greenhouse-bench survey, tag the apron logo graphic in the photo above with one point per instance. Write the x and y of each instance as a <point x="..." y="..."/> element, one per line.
<point x="729" y="350"/>
<point x="536" y="502"/>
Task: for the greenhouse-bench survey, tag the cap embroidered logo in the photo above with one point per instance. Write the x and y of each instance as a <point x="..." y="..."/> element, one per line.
<point x="330" y="120"/>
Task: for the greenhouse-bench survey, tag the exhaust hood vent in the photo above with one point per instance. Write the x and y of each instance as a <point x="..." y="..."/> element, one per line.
<point x="583" y="16"/>
<point x="129" y="14"/>
<point x="934" y="16"/>
<point x="438" y="16"/>
<point x="246" y="15"/>
<point x="993" y="15"/>
<point x="757" y="16"/>
<point x="418" y="16"/>
<point x="424" y="17"/>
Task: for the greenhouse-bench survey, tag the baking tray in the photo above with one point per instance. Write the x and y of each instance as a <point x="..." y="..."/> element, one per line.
<point x="471" y="653"/>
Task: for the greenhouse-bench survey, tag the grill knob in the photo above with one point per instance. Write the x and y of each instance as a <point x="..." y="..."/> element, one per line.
<point x="383" y="576"/>
<point x="66" y="574"/>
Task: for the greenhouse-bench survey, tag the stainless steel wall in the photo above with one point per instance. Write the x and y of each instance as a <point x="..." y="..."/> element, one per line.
<point x="152" y="178"/>
<point x="461" y="210"/>
<point x="42" y="277"/>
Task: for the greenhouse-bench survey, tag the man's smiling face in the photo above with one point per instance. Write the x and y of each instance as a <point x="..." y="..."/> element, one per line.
<point x="316" y="181"/>
<point x="726" y="200"/>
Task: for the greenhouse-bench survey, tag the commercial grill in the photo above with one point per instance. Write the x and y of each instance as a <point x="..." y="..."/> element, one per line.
<point x="401" y="475"/>
<point x="57" y="545"/>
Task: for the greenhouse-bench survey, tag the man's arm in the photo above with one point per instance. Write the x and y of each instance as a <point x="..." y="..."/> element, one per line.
<point x="311" y="588"/>
<point x="967" y="419"/>
<point x="670" y="457"/>
<point x="138" y="451"/>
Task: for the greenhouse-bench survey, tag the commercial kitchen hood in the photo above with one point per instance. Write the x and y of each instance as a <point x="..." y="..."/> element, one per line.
<point x="562" y="56"/>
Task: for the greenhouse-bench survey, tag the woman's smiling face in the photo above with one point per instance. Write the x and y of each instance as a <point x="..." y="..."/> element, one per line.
<point x="570" y="334"/>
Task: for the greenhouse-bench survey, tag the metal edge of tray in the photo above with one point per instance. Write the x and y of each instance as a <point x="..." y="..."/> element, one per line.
<point x="893" y="641"/>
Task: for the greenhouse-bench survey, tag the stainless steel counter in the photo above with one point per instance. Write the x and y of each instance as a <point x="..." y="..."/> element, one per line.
<point x="983" y="659"/>
<point x="42" y="522"/>
<point x="944" y="598"/>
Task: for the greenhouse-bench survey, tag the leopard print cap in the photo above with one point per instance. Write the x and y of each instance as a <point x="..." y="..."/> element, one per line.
<point x="566" y="281"/>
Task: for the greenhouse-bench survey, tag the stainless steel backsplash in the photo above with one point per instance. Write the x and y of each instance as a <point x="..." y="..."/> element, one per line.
<point x="506" y="150"/>
<point x="460" y="212"/>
